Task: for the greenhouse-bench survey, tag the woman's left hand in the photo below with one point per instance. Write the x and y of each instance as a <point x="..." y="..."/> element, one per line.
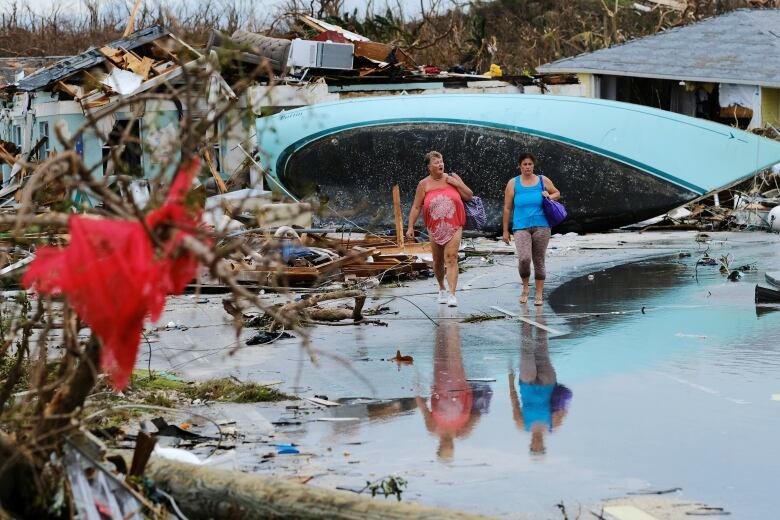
<point x="546" y="194"/>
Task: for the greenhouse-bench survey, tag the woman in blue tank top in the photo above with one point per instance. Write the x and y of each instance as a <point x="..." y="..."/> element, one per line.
<point x="543" y="402"/>
<point x="523" y="209"/>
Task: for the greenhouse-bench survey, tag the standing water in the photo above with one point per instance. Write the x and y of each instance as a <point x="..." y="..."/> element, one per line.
<point x="643" y="377"/>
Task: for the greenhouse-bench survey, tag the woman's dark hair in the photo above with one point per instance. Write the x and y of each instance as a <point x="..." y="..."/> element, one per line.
<point x="527" y="155"/>
<point x="561" y="397"/>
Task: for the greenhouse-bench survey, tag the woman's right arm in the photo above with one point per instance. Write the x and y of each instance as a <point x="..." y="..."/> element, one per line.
<point x="414" y="212"/>
<point x="517" y="410"/>
<point x="509" y="195"/>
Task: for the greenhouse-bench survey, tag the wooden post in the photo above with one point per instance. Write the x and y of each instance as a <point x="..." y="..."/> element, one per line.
<point x="220" y="183"/>
<point x="399" y="223"/>
<point x="131" y="21"/>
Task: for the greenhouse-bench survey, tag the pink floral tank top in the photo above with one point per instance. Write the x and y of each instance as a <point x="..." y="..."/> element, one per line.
<point x="444" y="213"/>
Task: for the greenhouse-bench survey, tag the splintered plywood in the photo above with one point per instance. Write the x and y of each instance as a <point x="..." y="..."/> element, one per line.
<point x="142" y="67"/>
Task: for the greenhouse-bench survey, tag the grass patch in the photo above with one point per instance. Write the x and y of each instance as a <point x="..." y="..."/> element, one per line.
<point x="229" y="390"/>
<point x="478" y="318"/>
<point x="162" y="389"/>
<point x="156" y="381"/>
<point x="27" y="368"/>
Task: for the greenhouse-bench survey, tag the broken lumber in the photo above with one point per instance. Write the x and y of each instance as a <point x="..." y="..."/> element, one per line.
<point x="355" y="314"/>
<point x="131" y="20"/>
<point x="203" y="492"/>
<point x="399" y="222"/>
<point x="67" y="89"/>
<point x="315" y="299"/>
<point x="377" y="51"/>
<point x="214" y="173"/>
<point x="142" y="67"/>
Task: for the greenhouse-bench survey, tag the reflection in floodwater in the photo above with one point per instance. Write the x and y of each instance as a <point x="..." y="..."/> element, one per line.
<point x="697" y="362"/>
<point x="615" y="289"/>
<point x="544" y="401"/>
<point x="456" y="404"/>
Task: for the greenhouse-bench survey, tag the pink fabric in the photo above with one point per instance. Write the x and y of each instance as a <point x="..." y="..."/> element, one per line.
<point x="444" y="213"/>
<point x="114" y="278"/>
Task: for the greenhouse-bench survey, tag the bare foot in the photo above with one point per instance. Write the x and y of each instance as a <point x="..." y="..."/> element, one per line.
<point x="524" y="296"/>
<point x="539" y="300"/>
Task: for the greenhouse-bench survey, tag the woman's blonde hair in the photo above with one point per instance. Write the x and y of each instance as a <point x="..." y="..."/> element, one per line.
<point x="433" y="154"/>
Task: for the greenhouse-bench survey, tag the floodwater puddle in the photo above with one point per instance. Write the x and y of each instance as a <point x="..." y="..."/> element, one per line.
<point x="662" y="377"/>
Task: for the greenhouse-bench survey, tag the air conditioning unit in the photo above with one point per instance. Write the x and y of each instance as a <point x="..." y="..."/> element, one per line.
<point x="309" y="54"/>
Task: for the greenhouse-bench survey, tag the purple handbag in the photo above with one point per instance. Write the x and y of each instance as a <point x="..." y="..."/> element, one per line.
<point x="554" y="211"/>
<point x="475" y="213"/>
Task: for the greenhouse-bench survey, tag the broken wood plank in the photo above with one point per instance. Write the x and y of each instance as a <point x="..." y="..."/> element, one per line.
<point x="322" y="402"/>
<point x="351" y="258"/>
<point x="164" y="52"/>
<point x="377" y="51"/>
<point x="94" y="83"/>
<point x="399" y="222"/>
<point x="70" y="90"/>
<point x="131" y="21"/>
<point x="280" y="277"/>
<point x="214" y="173"/>
<point x="99" y="102"/>
<point x="526" y="320"/>
<point x="113" y="55"/>
<point x="143" y="67"/>
<point x="9" y="159"/>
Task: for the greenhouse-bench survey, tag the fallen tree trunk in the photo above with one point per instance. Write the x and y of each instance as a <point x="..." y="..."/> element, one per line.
<point x="202" y="492"/>
<point x="294" y="309"/>
<point x="355" y="314"/>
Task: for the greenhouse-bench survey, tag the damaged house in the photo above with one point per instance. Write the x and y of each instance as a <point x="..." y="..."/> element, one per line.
<point x="725" y="69"/>
<point x="72" y="90"/>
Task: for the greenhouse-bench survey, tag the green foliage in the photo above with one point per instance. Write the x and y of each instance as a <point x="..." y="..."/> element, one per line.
<point x="386" y="486"/>
<point x="227" y="389"/>
<point x="158" y="387"/>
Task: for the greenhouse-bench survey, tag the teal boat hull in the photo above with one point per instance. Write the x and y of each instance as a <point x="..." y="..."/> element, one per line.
<point x="615" y="163"/>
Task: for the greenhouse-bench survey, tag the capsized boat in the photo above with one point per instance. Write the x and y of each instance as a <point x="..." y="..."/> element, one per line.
<point x="615" y="163"/>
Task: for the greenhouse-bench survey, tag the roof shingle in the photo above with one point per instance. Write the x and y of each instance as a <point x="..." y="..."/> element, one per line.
<point x="739" y="47"/>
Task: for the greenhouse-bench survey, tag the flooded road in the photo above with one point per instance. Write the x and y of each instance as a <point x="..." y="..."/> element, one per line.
<point x="632" y="378"/>
<point x="653" y="381"/>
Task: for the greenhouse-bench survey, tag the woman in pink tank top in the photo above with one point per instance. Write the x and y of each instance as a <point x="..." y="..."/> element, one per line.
<point x="440" y="197"/>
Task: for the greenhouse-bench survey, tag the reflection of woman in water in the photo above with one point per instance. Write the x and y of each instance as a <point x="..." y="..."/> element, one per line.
<point x="544" y="401"/>
<point x="456" y="405"/>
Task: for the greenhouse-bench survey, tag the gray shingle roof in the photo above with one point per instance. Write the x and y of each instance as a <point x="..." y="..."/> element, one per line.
<point x="739" y="47"/>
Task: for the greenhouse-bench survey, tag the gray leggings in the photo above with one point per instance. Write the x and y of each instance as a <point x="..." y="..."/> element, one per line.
<point x="531" y="244"/>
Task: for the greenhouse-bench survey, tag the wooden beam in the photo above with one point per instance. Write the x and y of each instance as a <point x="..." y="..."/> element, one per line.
<point x="9" y="159"/>
<point x="214" y="173"/>
<point x="68" y="89"/>
<point x="399" y="222"/>
<point x="131" y="21"/>
<point x="380" y="51"/>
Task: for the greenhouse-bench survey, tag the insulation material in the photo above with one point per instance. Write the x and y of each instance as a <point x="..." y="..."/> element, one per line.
<point x="123" y="81"/>
<point x="738" y="95"/>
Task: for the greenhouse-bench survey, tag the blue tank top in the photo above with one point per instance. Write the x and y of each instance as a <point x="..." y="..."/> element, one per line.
<point x="528" y="210"/>
<point x="537" y="404"/>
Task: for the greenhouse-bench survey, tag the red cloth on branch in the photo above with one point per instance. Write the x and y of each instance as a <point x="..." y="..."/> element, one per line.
<point x="112" y="276"/>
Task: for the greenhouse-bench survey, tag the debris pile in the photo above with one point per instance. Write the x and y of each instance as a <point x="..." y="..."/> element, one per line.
<point x="751" y="205"/>
<point x="342" y="57"/>
<point x="313" y="258"/>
